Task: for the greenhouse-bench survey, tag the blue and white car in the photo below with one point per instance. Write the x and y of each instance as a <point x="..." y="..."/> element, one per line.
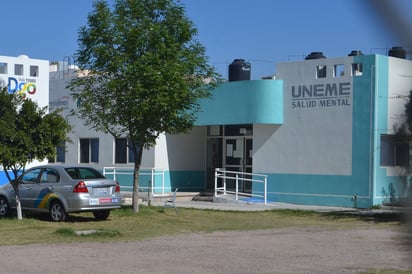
<point x="62" y="189"/>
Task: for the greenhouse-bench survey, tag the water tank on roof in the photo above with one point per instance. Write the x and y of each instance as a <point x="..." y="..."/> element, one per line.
<point x="239" y="70"/>
<point x="355" y="53"/>
<point x="398" y="52"/>
<point x="315" y="55"/>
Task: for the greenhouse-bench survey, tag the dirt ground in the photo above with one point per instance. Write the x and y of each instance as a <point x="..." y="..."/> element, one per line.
<point x="291" y="250"/>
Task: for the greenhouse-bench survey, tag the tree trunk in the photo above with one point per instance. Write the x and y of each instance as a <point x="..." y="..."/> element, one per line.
<point x="138" y="152"/>
<point x="15" y="184"/>
<point x="136" y="187"/>
<point x="18" y="207"/>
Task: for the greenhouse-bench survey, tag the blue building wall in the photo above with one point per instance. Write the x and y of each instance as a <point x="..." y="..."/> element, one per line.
<point x="3" y="177"/>
<point x="387" y="186"/>
<point x="243" y="102"/>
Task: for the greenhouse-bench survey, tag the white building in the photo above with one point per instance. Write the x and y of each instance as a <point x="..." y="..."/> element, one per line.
<point x="29" y="77"/>
<point x="321" y="131"/>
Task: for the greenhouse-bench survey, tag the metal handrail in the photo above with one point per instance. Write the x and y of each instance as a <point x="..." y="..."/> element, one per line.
<point x="153" y="172"/>
<point x="238" y="177"/>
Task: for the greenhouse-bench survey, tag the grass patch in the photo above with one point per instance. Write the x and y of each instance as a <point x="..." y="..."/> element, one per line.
<point x="65" y="232"/>
<point x="125" y="225"/>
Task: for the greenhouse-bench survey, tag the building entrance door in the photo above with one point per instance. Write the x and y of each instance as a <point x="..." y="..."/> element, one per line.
<point x="238" y="157"/>
<point x="229" y="147"/>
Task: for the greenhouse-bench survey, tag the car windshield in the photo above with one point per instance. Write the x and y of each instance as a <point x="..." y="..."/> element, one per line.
<point x="84" y="173"/>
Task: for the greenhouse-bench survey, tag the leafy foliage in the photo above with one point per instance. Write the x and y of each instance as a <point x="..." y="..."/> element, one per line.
<point x="28" y="133"/>
<point x="408" y="111"/>
<point x="146" y="71"/>
<point x="404" y="131"/>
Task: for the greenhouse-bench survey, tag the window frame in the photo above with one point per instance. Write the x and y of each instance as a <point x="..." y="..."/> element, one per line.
<point x="321" y="71"/>
<point x="338" y="70"/>
<point x="34" y="71"/>
<point x="3" y="68"/>
<point x="125" y="149"/>
<point x="357" y="69"/>
<point x="19" y="69"/>
<point x="89" y="150"/>
<point x="394" y="152"/>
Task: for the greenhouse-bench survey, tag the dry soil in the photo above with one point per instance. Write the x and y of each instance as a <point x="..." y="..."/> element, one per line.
<point x="291" y="250"/>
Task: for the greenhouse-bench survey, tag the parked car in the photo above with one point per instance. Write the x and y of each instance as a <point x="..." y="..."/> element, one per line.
<point x="62" y="189"/>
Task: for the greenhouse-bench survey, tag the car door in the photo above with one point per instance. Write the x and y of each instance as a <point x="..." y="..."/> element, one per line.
<point x="48" y="184"/>
<point x="29" y="187"/>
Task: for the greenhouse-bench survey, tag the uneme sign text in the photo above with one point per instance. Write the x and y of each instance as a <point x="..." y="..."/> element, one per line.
<point x="321" y="95"/>
<point x="321" y="90"/>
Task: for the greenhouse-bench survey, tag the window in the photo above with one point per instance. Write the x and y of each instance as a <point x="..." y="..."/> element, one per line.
<point x="31" y="176"/>
<point x="338" y="70"/>
<point x="49" y="175"/>
<point x="320" y="71"/>
<point x="394" y="152"/>
<point x="357" y="69"/>
<point x="3" y="68"/>
<point x="83" y="173"/>
<point x="34" y="71"/>
<point x="18" y="69"/>
<point x="60" y="154"/>
<point x="239" y="130"/>
<point x="123" y="151"/>
<point x="214" y="130"/>
<point x="89" y="150"/>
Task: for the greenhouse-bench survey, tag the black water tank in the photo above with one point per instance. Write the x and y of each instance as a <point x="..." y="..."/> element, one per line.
<point x="398" y="52"/>
<point x="239" y="70"/>
<point x="315" y="55"/>
<point x="355" y="53"/>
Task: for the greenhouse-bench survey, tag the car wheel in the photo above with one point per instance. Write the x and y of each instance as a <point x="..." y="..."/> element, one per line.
<point x="4" y="207"/>
<point x="101" y="215"/>
<point x="57" y="212"/>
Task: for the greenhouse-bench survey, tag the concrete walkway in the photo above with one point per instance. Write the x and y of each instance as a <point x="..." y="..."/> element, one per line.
<point x="245" y="206"/>
<point x="233" y="205"/>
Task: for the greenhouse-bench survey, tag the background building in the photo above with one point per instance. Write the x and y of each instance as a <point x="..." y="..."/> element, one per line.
<point x="29" y="77"/>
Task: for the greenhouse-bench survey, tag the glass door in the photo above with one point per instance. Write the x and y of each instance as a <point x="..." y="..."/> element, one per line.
<point x="238" y="157"/>
<point x="229" y="147"/>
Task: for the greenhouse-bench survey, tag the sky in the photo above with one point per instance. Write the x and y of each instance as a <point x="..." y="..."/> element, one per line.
<point x="263" y="32"/>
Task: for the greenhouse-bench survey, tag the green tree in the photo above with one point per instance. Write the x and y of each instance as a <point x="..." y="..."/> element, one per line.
<point x="403" y="132"/>
<point x="403" y="141"/>
<point x="408" y="111"/>
<point x="28" y="133"/>
<point x="146" y="71"/>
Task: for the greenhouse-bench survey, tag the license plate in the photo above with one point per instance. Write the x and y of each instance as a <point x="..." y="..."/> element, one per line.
<point x="100" y="191"/>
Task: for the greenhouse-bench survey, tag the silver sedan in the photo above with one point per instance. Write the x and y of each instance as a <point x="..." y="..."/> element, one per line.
<point x="62" y="189"/>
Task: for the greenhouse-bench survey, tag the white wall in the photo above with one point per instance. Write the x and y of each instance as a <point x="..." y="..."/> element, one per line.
<point x="182" y="151"/>
<point x="34" y="87"/>
<point x="60" y="97"/>
<point x="399" y="85"/>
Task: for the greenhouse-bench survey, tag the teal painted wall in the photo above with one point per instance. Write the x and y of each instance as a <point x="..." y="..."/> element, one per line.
<point x="186" y="181"/>
<point x="386" y="188"/>
<point x="243" y="102"/>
